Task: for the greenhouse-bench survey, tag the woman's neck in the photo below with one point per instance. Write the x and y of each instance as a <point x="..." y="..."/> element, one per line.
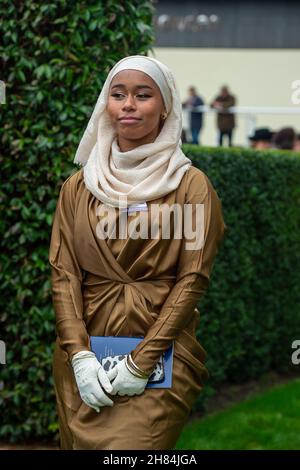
<point x="125" y="144"/>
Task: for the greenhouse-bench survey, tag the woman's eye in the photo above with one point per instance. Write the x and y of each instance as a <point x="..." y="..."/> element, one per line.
<point x="116" y="94"/>
<point x="140" y="95"/>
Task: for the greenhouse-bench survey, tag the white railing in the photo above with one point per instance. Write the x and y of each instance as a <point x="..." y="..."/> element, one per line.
<point x="248" y="112"/>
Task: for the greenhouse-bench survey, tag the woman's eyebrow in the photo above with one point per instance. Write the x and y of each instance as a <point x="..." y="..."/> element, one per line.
<point x="121" y="85"/>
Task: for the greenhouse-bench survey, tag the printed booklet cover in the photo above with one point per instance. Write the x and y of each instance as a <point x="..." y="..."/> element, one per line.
<point x="111" y="349"/>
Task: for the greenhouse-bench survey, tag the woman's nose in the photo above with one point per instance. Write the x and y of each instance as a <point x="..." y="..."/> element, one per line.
<point x="129" y="102"/>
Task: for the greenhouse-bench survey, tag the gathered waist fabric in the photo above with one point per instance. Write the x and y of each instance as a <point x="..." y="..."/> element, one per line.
<point x="131" y="307"/>
<point x="136" y="301"/>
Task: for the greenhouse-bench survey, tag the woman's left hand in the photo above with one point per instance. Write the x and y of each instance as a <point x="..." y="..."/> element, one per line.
<point x="125" y="382"/>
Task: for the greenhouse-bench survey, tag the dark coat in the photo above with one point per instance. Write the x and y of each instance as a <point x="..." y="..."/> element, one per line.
<point x="225" y="120"/>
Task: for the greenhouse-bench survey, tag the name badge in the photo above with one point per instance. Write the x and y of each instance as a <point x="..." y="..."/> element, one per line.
<point x="142" y="206"/>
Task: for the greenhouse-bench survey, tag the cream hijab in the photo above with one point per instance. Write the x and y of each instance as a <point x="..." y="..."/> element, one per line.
<point x="147" y="172"/>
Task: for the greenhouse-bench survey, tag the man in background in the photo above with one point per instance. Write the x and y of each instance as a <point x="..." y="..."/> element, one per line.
<point x="225" y="119"/>
<point x="261" y="139"/>
<point x="285" y="139"/>
<point x="196" y="117"/>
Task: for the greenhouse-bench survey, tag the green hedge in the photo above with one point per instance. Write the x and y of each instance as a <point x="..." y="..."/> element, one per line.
<point x="251" y="312"/>
<point x="54" y="58"/>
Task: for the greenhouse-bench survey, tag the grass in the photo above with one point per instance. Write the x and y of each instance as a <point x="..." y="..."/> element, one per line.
<point x="269" y="420"/>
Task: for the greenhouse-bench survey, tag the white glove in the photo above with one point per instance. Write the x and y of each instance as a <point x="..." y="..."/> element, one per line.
<point x="88" y="373"/>
<point x="125" y="382"/>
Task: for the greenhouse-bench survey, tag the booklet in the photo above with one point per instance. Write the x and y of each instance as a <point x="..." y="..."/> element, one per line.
<point x="109" y="350"/>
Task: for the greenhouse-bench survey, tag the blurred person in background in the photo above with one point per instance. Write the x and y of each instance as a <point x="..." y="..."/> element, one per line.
<point x="225" y="120"/>
<point x="261" y="139"/>
<point x="196" y="117"/>
<point x="297" y="143"/>
<point x="285" y="139"/>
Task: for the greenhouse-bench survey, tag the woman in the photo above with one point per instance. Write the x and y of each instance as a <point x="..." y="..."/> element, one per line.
<point x="130" y="286"/>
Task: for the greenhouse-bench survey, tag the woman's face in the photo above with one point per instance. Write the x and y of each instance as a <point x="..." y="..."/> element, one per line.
<point x="135" y="96"/>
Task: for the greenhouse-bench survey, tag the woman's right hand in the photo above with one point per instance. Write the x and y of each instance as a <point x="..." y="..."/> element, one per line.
<point x="90" y="378"/>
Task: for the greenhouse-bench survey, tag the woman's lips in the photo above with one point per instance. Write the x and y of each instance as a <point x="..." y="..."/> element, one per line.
<point x="129" y="120"/>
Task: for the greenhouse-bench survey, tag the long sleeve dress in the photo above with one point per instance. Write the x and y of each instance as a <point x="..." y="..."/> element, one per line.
<point x="147" y="287"/>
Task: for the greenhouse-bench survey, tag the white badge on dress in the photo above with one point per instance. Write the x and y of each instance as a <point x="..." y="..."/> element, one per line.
<point x="142" y="206"/>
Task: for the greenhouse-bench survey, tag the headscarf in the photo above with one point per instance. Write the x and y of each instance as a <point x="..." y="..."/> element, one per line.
<point x="146" y="172"/>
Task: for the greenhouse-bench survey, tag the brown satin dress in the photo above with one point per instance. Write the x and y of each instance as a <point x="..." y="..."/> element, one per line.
<point x="130" y="287"/>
